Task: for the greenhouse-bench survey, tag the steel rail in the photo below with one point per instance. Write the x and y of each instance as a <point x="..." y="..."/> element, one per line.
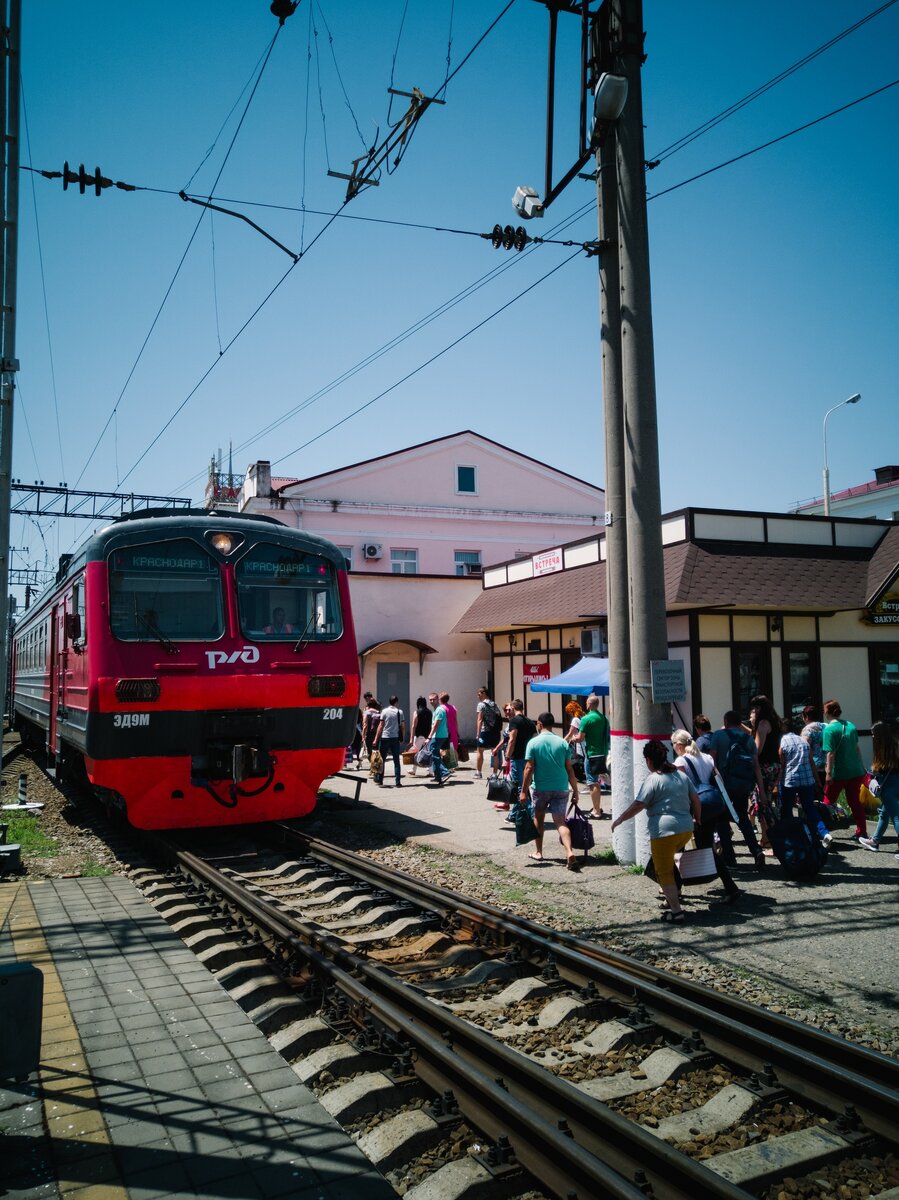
<point x="498" y="1089"/>
<point x="818" y="1065"/>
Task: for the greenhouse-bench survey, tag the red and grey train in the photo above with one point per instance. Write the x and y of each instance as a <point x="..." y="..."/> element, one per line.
<point x="201" y="667"/>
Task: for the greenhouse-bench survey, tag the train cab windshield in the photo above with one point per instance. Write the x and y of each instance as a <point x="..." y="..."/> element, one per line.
<point x="286" y="595"/>
<point x="165" y="591"/>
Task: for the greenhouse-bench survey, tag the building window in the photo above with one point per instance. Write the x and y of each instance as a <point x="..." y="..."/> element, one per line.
<point x="751" y="675"/>
<point x="404" y="562"/>
<point x="468" y="562"/>
<point x="467" y="481"/>
<point x="347" y="552"/>
<point x="801" y="682"/>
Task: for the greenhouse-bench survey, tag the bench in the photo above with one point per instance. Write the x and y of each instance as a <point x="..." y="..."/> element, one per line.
<point x="352" y="778"/>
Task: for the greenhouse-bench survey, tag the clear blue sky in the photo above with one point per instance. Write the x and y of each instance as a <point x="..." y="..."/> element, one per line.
<point x="774" y="280"/>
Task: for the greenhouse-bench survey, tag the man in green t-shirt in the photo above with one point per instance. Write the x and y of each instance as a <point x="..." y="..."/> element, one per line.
<point x="594" y="733"/>
<point x="843" y="765"/>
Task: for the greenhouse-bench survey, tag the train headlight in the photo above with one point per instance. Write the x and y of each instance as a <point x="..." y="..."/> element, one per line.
<point x="131" y="691"/>
<point x="225" y="543"/>
<point x="327" y="685"/>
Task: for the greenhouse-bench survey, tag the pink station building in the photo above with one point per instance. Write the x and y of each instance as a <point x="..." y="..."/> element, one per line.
<point x="418" y="527"/>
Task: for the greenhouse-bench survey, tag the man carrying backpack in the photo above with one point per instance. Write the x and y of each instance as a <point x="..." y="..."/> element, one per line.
<point x="737" y="760"/>
<point x="489" y="730"/>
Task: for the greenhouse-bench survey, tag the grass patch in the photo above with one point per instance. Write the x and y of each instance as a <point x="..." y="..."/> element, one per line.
<point x="607" y="857"/>
<point x="93" y="870"/>
<point x="635" y="869"/>
<point x="28" y="833"/>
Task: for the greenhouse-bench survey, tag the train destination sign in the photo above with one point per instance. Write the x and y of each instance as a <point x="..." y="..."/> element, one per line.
<point x="183" y="558"/>
<point x="283" y="567"/>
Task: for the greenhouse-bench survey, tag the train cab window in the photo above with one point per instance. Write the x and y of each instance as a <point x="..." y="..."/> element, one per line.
<point x="287" y="595"/>
<point x="165" y="591"/>
<point x="78" y="626"/>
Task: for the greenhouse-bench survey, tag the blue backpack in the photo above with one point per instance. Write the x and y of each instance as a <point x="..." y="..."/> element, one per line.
<point x="738" y="768"/>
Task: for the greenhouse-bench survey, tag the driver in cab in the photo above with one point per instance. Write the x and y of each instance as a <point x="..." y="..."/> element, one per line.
<point x="279" y="624"/>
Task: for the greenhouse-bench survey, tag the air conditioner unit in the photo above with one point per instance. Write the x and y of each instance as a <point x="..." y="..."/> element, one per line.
<point x="591" y="641"/>
<point x="371" y="550"/>
<point x="474" y="569"/>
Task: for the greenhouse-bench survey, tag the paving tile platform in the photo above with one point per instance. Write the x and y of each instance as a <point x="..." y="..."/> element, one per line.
<point x="152" y="1082"/>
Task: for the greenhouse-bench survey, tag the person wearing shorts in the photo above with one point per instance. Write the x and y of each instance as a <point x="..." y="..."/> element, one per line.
<point x="547" y="765"/>
<point x="593" y="731"/>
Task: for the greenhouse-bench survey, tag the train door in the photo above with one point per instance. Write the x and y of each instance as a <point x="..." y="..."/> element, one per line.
<point x="393" y="680"/>
<point x="57" y="666"/>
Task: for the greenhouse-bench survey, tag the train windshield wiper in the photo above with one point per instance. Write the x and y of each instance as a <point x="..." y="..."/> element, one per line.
<point x="302" y="639"/>
<point x="167" y="645"/>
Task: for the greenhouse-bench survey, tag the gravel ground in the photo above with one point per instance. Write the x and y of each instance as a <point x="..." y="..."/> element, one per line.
<point x="57" y="842"/>
<point x="824" y="953"/>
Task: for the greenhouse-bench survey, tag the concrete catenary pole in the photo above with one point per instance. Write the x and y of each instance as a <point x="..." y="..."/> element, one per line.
<point x="617" y="590"/>
<point x="11" y="13"/>
<point x="649" y="634"/>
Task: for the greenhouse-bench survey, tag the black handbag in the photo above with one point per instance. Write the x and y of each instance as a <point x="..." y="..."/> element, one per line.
<point x="501" y="789"/>
<point x="525" y="829"/>
<point x="579" y="827"/>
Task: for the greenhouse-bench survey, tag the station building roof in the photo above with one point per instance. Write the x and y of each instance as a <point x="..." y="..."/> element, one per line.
<point x="712" y="559"/>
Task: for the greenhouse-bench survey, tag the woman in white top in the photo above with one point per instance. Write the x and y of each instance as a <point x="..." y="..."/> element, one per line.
<point x="700" y="770"/>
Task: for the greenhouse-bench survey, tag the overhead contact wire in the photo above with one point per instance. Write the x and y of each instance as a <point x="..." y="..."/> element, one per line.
<point x="773" y="142"/>
<point x="434" y="357"/>
<point x="687" y="138"/>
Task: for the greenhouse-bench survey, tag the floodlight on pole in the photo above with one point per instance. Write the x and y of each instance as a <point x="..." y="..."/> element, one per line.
<point x="609" y="97"/>
<point x="527" y="203"/>
<point x="851" y="400"/>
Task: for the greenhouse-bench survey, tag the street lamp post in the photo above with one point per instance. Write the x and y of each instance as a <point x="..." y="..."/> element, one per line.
<point x="852" y="400"/>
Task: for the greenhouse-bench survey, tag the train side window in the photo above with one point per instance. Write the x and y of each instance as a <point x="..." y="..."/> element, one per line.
<point x="285" y="595"/>
<point x="165" y="591"/>
<point x="79" y="611"/>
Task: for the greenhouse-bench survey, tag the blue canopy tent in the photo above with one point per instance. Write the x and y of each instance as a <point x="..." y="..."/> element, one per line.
<point x="588" y="677"/>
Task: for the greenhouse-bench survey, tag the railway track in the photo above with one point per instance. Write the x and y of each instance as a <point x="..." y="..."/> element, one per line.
<point x="450" y="1035"/>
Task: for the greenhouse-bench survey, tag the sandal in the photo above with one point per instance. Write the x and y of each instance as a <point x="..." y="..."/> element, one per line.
<point x="674" y="918"/>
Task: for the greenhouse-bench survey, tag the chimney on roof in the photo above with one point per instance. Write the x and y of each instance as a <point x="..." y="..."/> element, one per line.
<point x="261" y="474"/>
<point x="886" y="474"/>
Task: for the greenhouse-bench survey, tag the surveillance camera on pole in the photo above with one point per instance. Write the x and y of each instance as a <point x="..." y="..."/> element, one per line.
<point x="527" y="203"/>
<point x="609" y="98"/>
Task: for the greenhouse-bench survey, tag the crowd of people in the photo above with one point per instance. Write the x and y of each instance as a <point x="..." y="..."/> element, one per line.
<point x="754" y="773"/>
<point x="757" y="774"/>
<point x="502" y="736"/>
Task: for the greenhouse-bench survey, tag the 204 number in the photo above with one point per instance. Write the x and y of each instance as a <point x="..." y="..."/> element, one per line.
<point x="332" y="714"/>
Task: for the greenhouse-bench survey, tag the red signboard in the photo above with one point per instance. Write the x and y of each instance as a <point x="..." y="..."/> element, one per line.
<point x="535" y="672"/>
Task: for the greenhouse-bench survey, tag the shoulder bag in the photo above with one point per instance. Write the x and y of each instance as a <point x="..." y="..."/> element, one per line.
<point x="579" y="827"/>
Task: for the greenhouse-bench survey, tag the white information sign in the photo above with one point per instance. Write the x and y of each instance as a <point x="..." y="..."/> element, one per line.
<point x="668" y="683"/>
<point x="547" y="562"/>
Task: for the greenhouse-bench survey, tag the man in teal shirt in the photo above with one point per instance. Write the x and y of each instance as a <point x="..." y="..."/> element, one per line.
<point x="547" y="763"/>
<point x="594" y="733"/>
